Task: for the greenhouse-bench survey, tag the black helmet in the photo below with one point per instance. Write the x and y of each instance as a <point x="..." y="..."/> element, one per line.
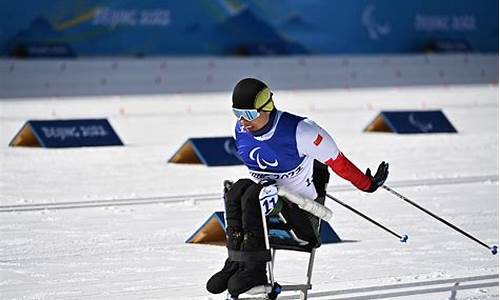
<point x="251" y="93"/>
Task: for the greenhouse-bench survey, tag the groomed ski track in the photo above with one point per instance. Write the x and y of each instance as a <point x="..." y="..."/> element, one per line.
<point x="217" y="196"/>
<point x="111" y="223"/>
<point x="407" y="289"/>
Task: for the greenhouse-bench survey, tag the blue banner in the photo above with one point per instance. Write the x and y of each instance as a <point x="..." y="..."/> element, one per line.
<point x="423" y="121"/>
<point x="74" y="133"/>
<point x="59" y="28"/>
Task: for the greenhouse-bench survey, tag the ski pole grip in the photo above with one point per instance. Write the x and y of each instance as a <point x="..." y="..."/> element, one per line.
<point x="308" y="205"/>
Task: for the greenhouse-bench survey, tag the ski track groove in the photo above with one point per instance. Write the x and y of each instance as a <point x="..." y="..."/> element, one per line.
<point x="405" y="289"/>
<point x="408" y="289"/>
<point x="218" y="196"/>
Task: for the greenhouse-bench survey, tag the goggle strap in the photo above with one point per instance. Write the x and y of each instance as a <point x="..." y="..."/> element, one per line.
<point x="266" y="103"/>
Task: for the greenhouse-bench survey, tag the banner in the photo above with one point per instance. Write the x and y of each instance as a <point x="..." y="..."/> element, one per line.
<point x="59" y="28"/>
<point x="66" y="134"/>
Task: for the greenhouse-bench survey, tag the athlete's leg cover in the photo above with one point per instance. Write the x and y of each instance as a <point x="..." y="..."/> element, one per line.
<point x="250" y="273"/>
<point x="243" y="207"/>
<point x="234" y="233"/>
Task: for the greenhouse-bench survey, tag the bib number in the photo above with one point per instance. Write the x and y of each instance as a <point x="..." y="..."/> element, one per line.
<point x="268" y="198"/>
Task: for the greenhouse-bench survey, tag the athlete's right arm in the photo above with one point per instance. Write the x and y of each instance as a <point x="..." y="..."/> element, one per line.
<point x="314" y="141"/>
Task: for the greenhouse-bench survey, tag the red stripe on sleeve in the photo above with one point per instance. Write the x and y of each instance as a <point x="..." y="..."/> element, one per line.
<point x="347" y="170"/>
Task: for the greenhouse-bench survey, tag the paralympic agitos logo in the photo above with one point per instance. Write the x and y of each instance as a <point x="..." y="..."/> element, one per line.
<point x="263" y="164"/>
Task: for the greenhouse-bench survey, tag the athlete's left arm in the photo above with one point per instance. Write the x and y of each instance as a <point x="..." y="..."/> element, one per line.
<point x="314" y="141"/>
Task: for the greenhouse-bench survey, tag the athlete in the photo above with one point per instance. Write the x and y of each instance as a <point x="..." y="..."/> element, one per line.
<point x="280" y="150"/>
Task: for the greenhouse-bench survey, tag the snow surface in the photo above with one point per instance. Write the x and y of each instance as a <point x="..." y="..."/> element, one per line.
<point x="138" y="251"/>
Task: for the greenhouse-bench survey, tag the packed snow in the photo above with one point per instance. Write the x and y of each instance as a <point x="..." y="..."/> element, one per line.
<point x="136" y="249"/>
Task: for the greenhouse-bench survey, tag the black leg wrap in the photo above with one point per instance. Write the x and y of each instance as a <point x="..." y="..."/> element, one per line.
<point x="249" y="256"/>
<point x="218" y="282"/>
<point x="233" y="200"/>
<point x="243" y="211"/>
<point x="252" y="272"/>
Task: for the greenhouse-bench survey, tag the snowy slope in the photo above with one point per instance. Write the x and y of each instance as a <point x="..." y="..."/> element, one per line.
<point x="138" y="251"/>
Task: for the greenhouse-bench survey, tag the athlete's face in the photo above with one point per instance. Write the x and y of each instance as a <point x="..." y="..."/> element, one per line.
<point x="256" y="124"/>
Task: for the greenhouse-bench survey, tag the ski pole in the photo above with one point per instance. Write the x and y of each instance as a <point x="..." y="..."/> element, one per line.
<point x="493" y="248"/>
<point x="402" y="238"/>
